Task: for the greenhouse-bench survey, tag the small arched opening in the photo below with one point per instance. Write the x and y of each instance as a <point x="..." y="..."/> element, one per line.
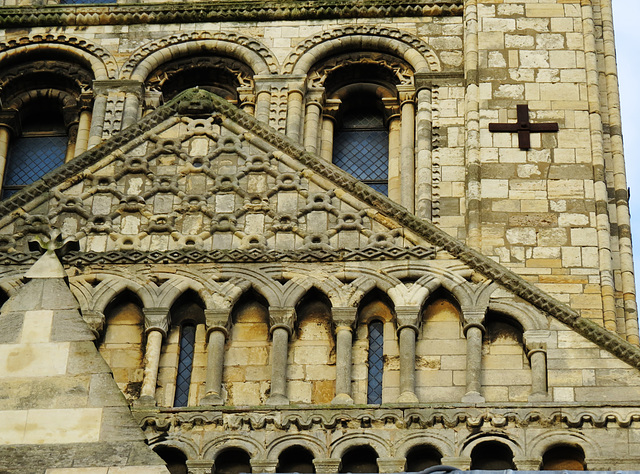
<point x="296" y="459"/>
<point x="360" y="459"/>
<point x="422" y="457"/>
<point x="232" y="461"/>
<point x="564" y="457"/>
<point x="176" y="460"/>
<point x="492" y="455"/>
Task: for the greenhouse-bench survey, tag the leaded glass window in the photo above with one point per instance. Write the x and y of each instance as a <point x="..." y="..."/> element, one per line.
<point x="70" y="2"/>
<point x="361" y="147"/>
<point x="375" y="362"/>
<point x="185" y="364"/>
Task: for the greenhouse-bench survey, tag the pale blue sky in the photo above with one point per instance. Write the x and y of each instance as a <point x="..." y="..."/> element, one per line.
<point x="627" y="31"/>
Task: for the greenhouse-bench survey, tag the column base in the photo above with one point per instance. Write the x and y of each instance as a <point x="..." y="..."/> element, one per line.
<point x="212" y="399"/>
<point x="473" y="397"/>
<point x="342" y="399"/>
<point x="277" y="399"/>
<point x="407" y="397"/>
<point x="539" y="397"/>
<point x="145" y="401"/>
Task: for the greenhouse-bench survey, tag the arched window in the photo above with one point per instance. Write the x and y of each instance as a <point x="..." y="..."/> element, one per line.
<point x="564" y="457"/>
<point x="360" y="459"/>
<point x="296" y="459"/>
<point x="40" y="148"/>
<point x="375" y="362"/>
<point x="175" y="459"/>
<point x="492" y="455"/>
<point x="185" y="363"/>
<point x="422" y="457"/>
<point x="232" y="461"/>
<point x="361" y="141"/>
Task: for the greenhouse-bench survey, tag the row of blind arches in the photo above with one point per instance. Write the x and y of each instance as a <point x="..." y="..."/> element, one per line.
<point x="363" y="459"/>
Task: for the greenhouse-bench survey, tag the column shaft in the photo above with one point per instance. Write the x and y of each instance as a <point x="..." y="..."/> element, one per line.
<point x="5" y="137"/>
<point x="344" y="342"/>
<point x="407" y="338"/>
<point x="279" y="350"/>
<point x="407" y="165"/>
<point x="151" y="363"/>
<point x="131" y="112"/>
<point x="474" y="363"/>
<point x="294" y="114"/>
<point x="97" y="120"/>
<point x="326" y="144"/>
<point x="395" y="184"/>
<point x="311" y="126"/>
<point x="538" y="372"/>
<point x="84" y="125"/>
<point x="263" y="104"/>
<point x="424" y="164"/>
<point x="215" y="367"/>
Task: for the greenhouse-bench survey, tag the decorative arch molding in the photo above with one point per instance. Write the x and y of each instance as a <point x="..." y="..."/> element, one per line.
<point x="355" y="440"/>
<point x="184" y="444"/>
<point x="276" y="447"/>
<point x="270" y="289"/>
<point x="101" y="62"/>
<point x="527" y="317"/>
<point x="111" y="286"/>
<point x="541" y="443"/>
<point x="441" y="443"/>
<point x="151" y="55"/>
<point x="169" y="292"/>
<point x="212" y="449"/>
<point x="472" y="441"/>
<point x="389" y="40"/>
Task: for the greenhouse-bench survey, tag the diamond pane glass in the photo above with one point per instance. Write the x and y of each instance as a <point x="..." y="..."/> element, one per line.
<point x="376" y="363"/>
<point x="69" y="2"/>
<point x="30" y="158"/>
<point x="185" y="365"/>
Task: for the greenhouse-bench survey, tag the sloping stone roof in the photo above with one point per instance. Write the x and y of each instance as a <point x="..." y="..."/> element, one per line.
<point x="198" y="103"/>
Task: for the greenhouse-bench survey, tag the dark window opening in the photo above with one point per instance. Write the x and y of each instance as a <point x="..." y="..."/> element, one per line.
<point x="360" y="459"/>
<point x="492" y="455"/>
<point x="564" y="457"/>
<point x="375" y="362"/>
<point x="175" y="459"/>
<point x="361" y="143"/>
<point x="422" y="457"/>
<point x="185" y="364"/>
<point x="296" y="459"/>
<point x="232" y="461"/>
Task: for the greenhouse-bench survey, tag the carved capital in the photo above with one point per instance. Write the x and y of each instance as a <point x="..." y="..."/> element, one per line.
<point x="331" y="108"/>
<point x="327" y="466"/>
<point x="406" y="93"/>
<point x="473" y="317"/>
<point x="156" y="319"/>
<point x="316" y="97"/>
<point x="103" y="87"/>
<point x="408" y="316"/>
<point x="9" y="119"/>
<point x="218" y="320"/>
<point x="281" y="318"/>
<point x="86" y="101"/>
<point x="95" y="320"/>
<point x="536" y="341"/>
<point x="344" y="317"/>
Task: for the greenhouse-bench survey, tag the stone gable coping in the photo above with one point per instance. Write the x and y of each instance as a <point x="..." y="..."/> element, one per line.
<point x="183" y="12"/>
<point x="202" y="102"/>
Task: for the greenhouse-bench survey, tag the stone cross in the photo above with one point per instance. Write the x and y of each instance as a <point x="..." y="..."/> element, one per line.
<point x="523" y="127"/>
<point x="51" y="248"/>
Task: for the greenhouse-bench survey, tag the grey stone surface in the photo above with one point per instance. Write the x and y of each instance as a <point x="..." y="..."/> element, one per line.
<point x="10" y="326"/>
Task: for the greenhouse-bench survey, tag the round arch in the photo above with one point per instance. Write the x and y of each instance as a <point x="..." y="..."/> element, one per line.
<point x="212" y="449"/>
<point x="101" y="63"/>
<point x="188" y="447"/>
<point x="543" y="442"/>
<point x="362" y="38"/>
<point x="150" y="56"/>
<point x="527" y="317"/>
<point x="471" y="442"/>
<point x="407" y="443"/>
<point x="314" y="445"/>
<point x="354" y="440"/>
<point x="112" y="286"/>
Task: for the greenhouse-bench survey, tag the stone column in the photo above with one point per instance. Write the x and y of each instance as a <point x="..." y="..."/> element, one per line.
<point x="100" y="91"/>
<point x="344" y="320"/>
<point x="473" y="330"/>
<point x="424" y="164"/>
<point x="395" y="184"/>
<point x="199" y="466"/>
<point x="8" y="124"/>
<point x="312" y="116"/>
<point x="84" y="125"/>
<point x="134" y="92"/>
<point x="391" y="464"/>
<point x="331" y="107"/>
<point x="263" y="98"/>
<point x="407" y="317"/>
<point x="281" y="320"/>
<point x="407" y="146"/>
<point x="536" y="345"/>
<point x="156" y="321"/>
<point x="217" y="332"/>
<point x="95" y="320"/>
<point x="72" y="134"/>
<point x="247" y="100"/>
<point x="294" y="110"/>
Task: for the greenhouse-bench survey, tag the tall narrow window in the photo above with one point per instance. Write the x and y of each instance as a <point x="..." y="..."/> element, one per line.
<point x="361" y="144"/>
<point x="41" y="147"/>
<point x="376" y="362"/>
<point x="185" y="363"/>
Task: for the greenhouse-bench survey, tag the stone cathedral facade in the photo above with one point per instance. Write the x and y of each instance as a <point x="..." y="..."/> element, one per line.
<point x="324" y="236"/>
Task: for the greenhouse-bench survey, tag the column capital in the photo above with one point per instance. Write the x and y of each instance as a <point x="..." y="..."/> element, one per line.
<point x="86" y="101"/>
<point x="156" y="319"/>
<point x="95" y="320"/>
<point x="391" y="464"/>
<point x="103" y="87"/>
<point x="536" y="340"/>
<point x="408" y="317"/>
<point x="473" y="317"/>
<point x="327" y="466"/>
<point x="9" y="119"/>
<point x="263" y="465"/>
<point x="315" y="96"/>
<point x="281" y="317"/>
<point x="331" y="108"/>
<point x="218" y="320"/>
<point x="344" y="317"/>
<point x="406" y="93"/>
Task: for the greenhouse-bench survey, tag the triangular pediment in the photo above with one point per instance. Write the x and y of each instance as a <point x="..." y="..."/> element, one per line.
<point x="200" y="176"/>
